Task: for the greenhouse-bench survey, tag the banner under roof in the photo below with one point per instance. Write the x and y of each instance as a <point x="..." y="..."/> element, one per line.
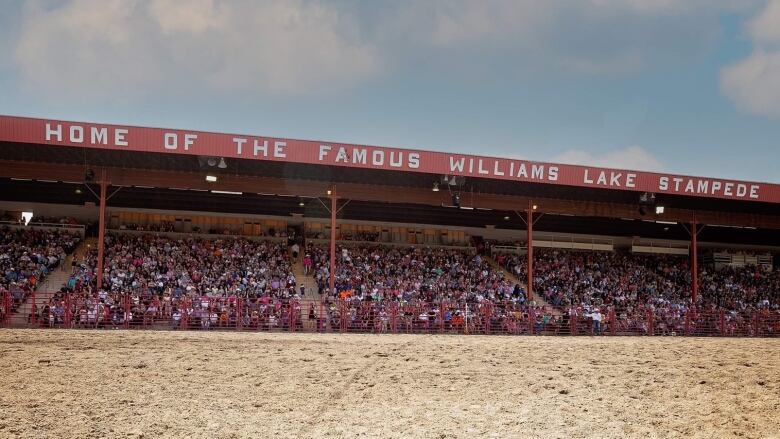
<point x="252" y="147"/>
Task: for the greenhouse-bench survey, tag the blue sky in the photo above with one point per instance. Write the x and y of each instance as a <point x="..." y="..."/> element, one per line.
<point x="687" y="87"/>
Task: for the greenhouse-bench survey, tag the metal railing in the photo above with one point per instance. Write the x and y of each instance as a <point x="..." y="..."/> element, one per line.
<point x="65" y="310"/>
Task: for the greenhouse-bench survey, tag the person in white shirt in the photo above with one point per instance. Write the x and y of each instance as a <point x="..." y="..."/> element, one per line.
<point x="596" y="316"/>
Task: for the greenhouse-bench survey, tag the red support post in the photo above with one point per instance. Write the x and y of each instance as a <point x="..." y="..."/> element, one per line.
<point x="343" y="316"/>
<point x="485" y="317"/>
<point x="126" y="302"/>
<point x="612" y="321"/>
<point x="531" y="320"/>
<point x="722" y="322"/>
<point x="441" y="317"/>
<point x="6" y="309"/>
<point x="101" y="227"/>
<point x="185" y="315"/>
<point x="333" y="207"/>
<point x="321" y="322"/>
<point x="756" y="324"/>
<point x="694" y="262"/>
<point x="33" y="310"/>
<point x="293" y="321"/>
<point x="573" y="321"/>
<point x="650" y="322"/>
<point x="66" y="305"/>
<point x="239" y="313"/>
<point x="7" y="305"/>
<point x="530" y="226"/>
<point x="394" y="318"/>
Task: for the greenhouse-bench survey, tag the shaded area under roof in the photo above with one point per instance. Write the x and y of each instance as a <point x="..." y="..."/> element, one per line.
<point x="181" y="163"/>
<point x="254" y="204"/>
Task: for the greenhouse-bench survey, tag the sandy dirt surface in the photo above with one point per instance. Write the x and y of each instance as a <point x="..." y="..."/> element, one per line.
<point x="169" y="384"/>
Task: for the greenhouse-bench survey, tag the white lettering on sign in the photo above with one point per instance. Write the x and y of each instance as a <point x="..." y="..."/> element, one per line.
<point x="98" y="135"/>
<point x="76" y="134"/>
<point x="500" y="168"/>
<point x="239" y="144"/>
<point x="610" y="179"/>
<point x="341" y="155"/>
<point x="83" y="134"/>
<point x="189" y="140"/>
<point x="359" y="155"/>
<point x="414" y="160"/>
<point x="119" y="137"/>
<point x="324" y="150"/>
<point x="482" y="170"/>
<point x="368" y="156"/>
<point x="630" y="180"/>
<point x="396" y="159"/>
<point x="50" y="131"/>
<point x="702" y="186"/>
<point x="260" y="147"/>
<point x="378" y="157"/>
<point x="456" y="166"/>
<point x="279" y="150"/>
<point x="171" y="141"/>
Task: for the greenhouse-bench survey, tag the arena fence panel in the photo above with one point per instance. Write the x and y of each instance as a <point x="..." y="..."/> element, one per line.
<point x="265" y="314"/>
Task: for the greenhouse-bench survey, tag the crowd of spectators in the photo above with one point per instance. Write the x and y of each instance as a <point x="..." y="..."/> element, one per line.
<point x="27" y="255"/>
<point x="195" y="281"/>
<point x="149" y="278"/>
<point x="162" y="226"/>
<point x="627" y="287"/>
<point x="400" y="273"/>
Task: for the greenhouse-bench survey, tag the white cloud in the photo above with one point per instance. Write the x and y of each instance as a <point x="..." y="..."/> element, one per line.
<point x="108" y="48"/>
<point x="753" y="84"/>
<point x="765" y="28"/>
<point x="589" y="36"/>
<point x="128" y="49"/>
<point x="633" y="157"/>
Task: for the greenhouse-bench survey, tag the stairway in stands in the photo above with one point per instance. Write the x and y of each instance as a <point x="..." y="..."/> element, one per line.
<point x="534" y="295"/>
<point x="307" y="281"/>
<point x="50" y="285"/>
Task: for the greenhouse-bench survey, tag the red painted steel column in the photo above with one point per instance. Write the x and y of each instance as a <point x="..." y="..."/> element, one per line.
<point x="530" y="286"/>
<point x="694" y="263"/>
<point x="441" y="317"/>
<point x="321" y="322"/>
<point x="239" y="314"/>
<point x="333" y="238"/>
<point x="67" y="311"/>
<point x="650" y="323"/>
<point x="612" y="321"/>
<point x="34" y="308"/>
<point x="101" y="228"/>
<point x="573" y="321"/>
<point x="126" y="302"/>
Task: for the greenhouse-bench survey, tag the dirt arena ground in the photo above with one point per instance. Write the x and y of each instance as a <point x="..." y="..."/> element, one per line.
<point x="169" y="384"/>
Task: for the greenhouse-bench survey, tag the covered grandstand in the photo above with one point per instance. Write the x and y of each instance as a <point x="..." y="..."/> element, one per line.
<point x="516" y="226"/>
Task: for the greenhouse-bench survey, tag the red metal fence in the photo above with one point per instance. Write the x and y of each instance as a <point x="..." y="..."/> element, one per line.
<point x="350" y="316"/>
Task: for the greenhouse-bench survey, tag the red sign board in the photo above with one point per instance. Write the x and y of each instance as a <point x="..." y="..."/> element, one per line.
<point x="160" y="140"/>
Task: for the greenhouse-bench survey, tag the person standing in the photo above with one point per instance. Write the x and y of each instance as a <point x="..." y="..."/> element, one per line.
<point x="596" y="316"/>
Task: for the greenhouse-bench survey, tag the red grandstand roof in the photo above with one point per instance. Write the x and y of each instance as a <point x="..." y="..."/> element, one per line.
<point x="251" y="147"/>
